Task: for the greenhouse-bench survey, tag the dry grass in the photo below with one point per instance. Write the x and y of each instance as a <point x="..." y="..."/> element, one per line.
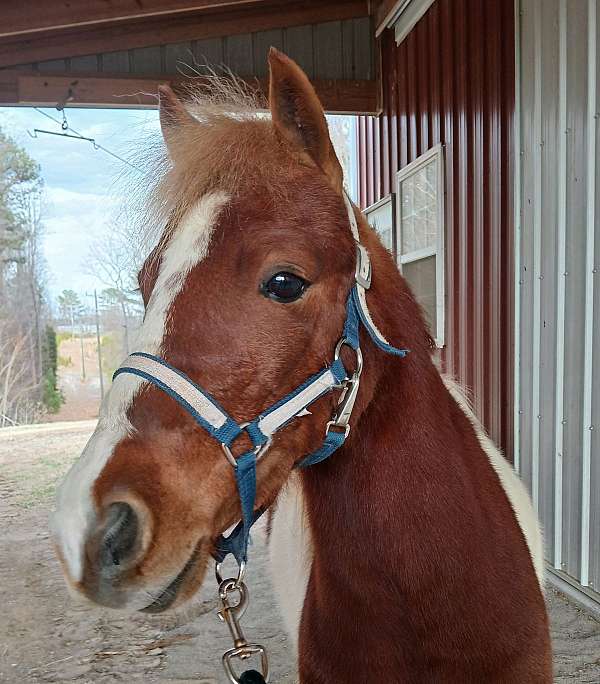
<point x="34" y="459"/>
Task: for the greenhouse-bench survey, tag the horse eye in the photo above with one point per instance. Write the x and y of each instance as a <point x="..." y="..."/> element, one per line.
<point x="284" y="287"/>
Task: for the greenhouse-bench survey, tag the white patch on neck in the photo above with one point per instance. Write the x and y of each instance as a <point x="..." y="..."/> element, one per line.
<point x="513" y="487"/>
<point x="290" y="555"/>
<point x="75" y="512"/>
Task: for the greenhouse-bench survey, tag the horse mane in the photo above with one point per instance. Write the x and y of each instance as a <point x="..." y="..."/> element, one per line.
<point x="229" y="144"/>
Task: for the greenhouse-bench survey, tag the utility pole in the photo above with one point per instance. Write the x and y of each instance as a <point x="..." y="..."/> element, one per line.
<point x="99" y="345"/>
<point x="82" y="352"/>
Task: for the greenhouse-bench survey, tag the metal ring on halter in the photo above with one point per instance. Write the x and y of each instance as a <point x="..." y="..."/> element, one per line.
<point x="240" y="577"/>
<point x="334" y="423"/>
<point x="343" y="341"/>
<point x="227" y="587"/>
<point x="259" y="450"/>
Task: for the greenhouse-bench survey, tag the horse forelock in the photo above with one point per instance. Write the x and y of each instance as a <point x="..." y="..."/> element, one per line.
<point x="228" y="143"/>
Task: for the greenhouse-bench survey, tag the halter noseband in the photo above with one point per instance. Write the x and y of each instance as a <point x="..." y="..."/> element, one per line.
<point x="208" y="413"/>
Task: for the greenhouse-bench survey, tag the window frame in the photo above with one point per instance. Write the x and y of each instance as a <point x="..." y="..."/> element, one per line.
<point x="438" y="250"/>
<point x="391" y="200"/>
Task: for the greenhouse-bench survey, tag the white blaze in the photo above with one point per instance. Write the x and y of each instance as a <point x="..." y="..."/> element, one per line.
<point x="187" y="247"/>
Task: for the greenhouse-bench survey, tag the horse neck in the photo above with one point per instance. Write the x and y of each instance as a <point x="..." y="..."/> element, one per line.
<point x="411" y="538"/>
<point x="364" y="496"/>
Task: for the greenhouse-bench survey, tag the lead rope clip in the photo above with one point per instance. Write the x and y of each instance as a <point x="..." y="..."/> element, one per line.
<point x="231" y="613"/>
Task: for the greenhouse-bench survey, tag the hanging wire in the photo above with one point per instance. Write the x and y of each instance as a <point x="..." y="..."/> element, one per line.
<point x="64" y="124"/>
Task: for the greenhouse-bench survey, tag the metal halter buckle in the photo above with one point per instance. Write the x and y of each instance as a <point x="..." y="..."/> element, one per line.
<point x="362" y="274"/>
<point x="359" y="357"/>
<point x="259" y="450"/>
<point x="341" y="418"/>
<point x="231" y="614"/>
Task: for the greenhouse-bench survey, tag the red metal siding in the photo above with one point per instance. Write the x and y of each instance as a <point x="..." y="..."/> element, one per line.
<point x="452" y="81"/>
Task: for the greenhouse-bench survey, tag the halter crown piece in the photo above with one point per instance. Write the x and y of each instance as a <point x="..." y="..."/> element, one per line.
<point x="208" y="413"/>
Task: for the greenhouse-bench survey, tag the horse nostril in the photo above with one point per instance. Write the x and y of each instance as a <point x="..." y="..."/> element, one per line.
<point x="120" y="534"/>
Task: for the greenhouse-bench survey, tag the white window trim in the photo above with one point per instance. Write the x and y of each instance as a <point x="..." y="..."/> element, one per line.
<point x="403" y="16"/>
<point x="417" y="255"/>
<point x="436" y="152"/>
<point x="388" y="199"/>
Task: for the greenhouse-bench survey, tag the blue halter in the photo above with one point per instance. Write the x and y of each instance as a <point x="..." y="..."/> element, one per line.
<point x="207" y="412"/>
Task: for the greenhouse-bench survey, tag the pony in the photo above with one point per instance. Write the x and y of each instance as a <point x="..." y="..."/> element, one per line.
<point x="413" y="553"/>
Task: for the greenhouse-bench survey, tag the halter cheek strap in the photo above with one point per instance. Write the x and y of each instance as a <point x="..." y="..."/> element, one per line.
<point x="213" y="418"/>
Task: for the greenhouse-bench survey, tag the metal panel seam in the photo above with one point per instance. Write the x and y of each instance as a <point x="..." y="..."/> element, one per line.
<point x="587" y="426"/>
<point x="517" y="242"/>
<point x="537" y="253"/>
<point x="560" y="286"/>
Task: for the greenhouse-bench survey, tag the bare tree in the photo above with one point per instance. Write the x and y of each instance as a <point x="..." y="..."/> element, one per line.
<point x="15" y="388"/>
<point x="70" y="307"/>
<point x="23" y="309"/>
<point x="114" y="259"/>
<point x="340" y="131"/>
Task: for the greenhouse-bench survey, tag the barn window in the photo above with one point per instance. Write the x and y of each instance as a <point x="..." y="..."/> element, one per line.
<point x="420" y="234"/>
<point x="381" y="218"/>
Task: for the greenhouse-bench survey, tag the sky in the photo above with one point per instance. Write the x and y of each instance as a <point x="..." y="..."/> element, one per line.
<point x="84" y="187"/>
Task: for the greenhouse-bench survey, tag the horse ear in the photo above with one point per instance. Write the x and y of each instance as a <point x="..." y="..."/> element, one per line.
<point x="298" y="116"/>
<point x="172" y="114"/>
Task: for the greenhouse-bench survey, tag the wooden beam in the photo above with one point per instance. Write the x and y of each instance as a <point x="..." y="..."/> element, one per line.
<point x="158" y="31"/>
<point x="18" y="87"/>
<point x="31" y="16"/>
<point x="9" y="91"/>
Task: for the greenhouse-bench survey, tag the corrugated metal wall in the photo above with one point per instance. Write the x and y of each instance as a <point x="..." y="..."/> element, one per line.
<point x="333" y="49"/>
<point x="558" y="305"/>
<point x="452" y="81"/>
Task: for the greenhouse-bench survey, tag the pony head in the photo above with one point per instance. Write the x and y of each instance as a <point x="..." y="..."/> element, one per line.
<point x="246" y="294"/>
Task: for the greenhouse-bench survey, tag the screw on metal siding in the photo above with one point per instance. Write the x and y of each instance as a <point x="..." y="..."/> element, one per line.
<point x="521" y="412"/>
<point x="566" y="273"/>
<point x="591" y="427"/>
<point x="541" y="277"/>
<point x="563" y="421"/>
<point x="539" y="417"/>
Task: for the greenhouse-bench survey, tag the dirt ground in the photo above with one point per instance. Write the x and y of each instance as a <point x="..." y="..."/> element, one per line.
<point x="46" y="637"/>
<point x="82" y="394"/>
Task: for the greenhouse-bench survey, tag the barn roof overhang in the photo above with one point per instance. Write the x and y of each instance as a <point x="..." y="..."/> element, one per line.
<point x="94" y="53"/>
